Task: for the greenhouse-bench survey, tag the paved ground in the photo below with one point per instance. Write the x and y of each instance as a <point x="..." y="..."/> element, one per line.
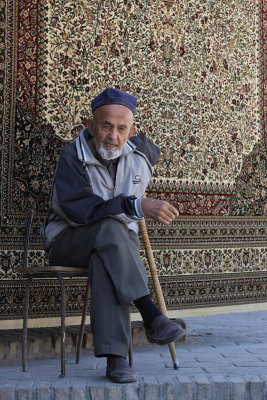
<point x="224" y="357"/>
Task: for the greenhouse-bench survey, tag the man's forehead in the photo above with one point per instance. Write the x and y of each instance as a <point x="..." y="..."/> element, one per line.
<point x="113" y="112"/>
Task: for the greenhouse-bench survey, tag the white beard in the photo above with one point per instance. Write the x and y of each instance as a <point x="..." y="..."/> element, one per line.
<point x="107" y="154"/>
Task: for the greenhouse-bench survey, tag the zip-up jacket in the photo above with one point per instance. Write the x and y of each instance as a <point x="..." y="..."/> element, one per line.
<point x="83" y="190"/>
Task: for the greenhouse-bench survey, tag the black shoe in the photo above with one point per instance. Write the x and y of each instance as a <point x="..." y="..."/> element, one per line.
<point x="163" y="331"/>
<point x="119" y="371"/>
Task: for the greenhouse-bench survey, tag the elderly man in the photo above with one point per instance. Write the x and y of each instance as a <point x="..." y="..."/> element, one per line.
<point x="97" y="199"/>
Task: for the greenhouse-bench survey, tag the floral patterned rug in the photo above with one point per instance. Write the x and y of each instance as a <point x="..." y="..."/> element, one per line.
<point x="198" y="70"/>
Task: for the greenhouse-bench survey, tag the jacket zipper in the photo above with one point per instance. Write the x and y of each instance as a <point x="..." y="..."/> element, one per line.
<point x="114" y="188"/>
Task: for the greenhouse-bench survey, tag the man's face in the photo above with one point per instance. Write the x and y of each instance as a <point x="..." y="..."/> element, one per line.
<point x="111" y="127"/>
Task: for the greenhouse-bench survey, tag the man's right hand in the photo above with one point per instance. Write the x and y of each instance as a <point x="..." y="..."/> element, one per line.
<point x="160" y="210"/>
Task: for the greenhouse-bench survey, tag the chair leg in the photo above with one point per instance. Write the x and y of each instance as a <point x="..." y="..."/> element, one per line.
<point x="25" y="326"/>
<point x="85" y="306"/>
<point x="130" y="352"/>
<point x="63" y="327"/>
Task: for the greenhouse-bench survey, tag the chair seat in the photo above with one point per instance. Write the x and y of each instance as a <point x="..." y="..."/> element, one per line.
<point x="50" y="269"/>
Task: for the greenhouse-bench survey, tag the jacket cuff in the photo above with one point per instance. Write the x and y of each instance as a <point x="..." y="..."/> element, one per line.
<point x="138" y="207"/>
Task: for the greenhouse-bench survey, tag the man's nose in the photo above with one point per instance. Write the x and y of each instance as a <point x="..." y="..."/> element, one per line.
<point x="113" y="133"/>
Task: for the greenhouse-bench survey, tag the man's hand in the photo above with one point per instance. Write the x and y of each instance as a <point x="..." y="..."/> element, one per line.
<point x="160" y="210"/>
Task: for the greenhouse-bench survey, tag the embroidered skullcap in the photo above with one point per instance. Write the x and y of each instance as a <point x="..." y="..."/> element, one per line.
<point x="114" y="96"/>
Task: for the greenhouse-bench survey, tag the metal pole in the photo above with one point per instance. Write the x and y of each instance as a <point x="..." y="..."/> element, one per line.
<point x="63" y="327"/>
<point x="86" y="302"/>
<point x="25" y="326"/>
<point x="130" y="352"/>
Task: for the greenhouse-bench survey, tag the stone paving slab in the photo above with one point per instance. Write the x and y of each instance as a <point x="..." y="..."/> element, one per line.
<point x="224" y="358"/>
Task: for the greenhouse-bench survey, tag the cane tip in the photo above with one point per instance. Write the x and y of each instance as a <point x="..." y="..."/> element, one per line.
<point x="175" y="365"/>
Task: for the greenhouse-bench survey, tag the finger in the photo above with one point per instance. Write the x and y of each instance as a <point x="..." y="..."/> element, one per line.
<point x="170" y="213"/>
<point x="165" y="219"/>
<point x="165" y="222"/>
<point x="171" y="208"/>
<point x="174" y="211"/>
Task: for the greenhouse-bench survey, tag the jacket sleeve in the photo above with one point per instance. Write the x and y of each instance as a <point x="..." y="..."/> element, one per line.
<point x="75" y="198"/>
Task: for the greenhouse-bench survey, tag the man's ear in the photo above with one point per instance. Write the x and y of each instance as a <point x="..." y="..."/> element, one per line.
<point x="90" y="126"/>
<point x="132" y="131"/>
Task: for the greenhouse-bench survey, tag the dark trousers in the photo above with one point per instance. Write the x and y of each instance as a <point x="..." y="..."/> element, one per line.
<point x="117" y="276"/>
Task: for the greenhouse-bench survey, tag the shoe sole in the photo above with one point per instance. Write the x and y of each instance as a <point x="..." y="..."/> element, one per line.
<point x="121" y="379"/>
<point x="161" y="342"/>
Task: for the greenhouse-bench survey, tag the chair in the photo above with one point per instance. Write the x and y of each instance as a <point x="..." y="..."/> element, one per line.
<point x="60" y="272"/>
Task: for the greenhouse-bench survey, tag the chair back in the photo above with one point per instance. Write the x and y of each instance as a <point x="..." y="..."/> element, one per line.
<point x="27" y="236"/>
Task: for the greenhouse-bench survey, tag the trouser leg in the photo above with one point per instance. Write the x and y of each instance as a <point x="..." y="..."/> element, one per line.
<point x="118" y="249"/>
<point x="117" y="273"/>
<point x="109" y="318"/>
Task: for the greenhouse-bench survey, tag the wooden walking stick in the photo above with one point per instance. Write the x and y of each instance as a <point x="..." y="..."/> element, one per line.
<point x="155" y="278"/>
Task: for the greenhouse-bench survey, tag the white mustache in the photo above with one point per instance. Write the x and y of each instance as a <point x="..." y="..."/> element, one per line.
<point x="109" y="141"/>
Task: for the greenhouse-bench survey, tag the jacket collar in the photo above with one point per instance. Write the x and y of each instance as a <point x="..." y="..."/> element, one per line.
<point x="85" y="154"/>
